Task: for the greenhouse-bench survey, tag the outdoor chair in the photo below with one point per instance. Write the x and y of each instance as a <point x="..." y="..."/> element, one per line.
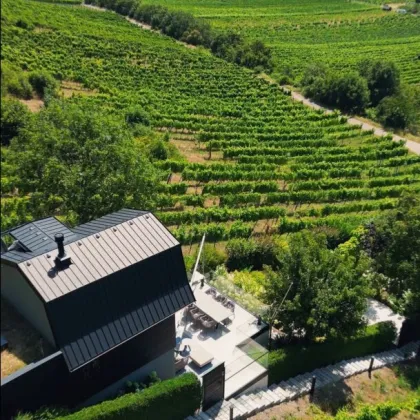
<point x="230" y="305"/>
<point x="180" y="363"/>
<point x="219" y="298"/>
<point x="197" y="315"/>
<point x="209" y="324"/>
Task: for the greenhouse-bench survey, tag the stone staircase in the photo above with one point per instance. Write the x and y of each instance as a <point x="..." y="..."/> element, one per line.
<point x="256" y="401"/>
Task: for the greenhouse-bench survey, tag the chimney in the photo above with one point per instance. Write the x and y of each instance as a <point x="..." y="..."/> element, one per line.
<point x="61" y="260"/>
<point x="59" y="239"/>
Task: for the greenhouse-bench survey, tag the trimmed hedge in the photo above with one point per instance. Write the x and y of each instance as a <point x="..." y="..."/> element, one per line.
<point x="293" y="360"/>
<point x="173" y="399"/>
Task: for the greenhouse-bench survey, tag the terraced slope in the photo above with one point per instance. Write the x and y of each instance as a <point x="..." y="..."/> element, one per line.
<point x="275" y="166"/>
<point x="337" y="32"/>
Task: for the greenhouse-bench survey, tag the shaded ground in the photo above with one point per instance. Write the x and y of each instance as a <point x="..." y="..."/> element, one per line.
<point x="25" y="344"/>
<point x="387" y="384"/>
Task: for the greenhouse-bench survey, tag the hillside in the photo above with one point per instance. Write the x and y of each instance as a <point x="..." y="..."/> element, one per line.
<point x="270" y="157"/>
<point x="336" y="32"/>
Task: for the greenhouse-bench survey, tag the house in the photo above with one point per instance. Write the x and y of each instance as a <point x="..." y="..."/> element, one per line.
<point x="103" y="294"/>
<point x="386" y="7"/>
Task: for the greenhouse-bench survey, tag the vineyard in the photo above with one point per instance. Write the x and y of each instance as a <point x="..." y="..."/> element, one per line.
<point x="338" y="32"/>
<point x="255" y="162"/>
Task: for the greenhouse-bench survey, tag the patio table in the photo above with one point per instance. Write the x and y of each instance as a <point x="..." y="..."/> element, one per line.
<point x="211" y="307"/>
<point x="200" y="356"/>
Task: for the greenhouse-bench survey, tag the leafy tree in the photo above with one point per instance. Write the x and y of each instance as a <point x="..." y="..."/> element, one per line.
<point x="326" y="289"/>
<point x="382" y="77"/>
<point x="397" y="111"/>
<point x="82" y="162"/>
<point x="14" y="115"/>
<point x="347" y="91"/>
<point x="394" y="244"/>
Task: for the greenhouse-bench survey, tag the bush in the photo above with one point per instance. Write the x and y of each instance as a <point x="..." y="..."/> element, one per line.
<point x="211" y="257"/>
<point x="173" y="399"/>
<point x="397" y="111"/>
<point x="293" y="360"/>
<point x="42" y="82"/>
<point x="250" y="253"/>
<point x="137" y="116"/>
<point x="14" y="115"/>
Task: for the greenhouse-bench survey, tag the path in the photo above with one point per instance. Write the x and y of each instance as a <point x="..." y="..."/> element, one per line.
<point x="137" y="23"/>
<point x="411" y="145"/>
<point x="378" y="312"/>
<point x="256" y="401"/>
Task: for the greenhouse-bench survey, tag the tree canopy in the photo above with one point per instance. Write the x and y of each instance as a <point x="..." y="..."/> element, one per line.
<point x="82" y="162"/>
<point x="394" y="244"/>
<point x="327" y="295"/>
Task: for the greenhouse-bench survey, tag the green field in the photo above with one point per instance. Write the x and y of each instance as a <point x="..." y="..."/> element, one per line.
<point x="336" y="32"/>
<point x="276" y="165"/>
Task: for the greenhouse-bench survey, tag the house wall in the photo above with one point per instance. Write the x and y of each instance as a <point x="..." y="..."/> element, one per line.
<point x="49" y="382"/>
<point x="163" y="365"/>
<point x="16" y="290"/>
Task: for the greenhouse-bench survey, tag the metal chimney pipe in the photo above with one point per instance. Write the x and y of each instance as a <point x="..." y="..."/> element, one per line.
<point x="59" y="239"/>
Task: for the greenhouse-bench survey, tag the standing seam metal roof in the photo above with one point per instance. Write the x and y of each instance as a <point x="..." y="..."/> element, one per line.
<point x="98" y="255"/>
<point x="126" y="275"/>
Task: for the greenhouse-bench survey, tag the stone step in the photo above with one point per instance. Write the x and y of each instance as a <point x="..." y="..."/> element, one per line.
<point x="251" y="403"/>
<point x="245" y="404"/>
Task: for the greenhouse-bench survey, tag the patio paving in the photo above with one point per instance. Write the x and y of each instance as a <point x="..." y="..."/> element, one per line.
<point x="222" y="344"/>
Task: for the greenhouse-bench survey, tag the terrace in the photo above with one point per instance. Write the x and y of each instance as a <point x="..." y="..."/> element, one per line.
<point x="231" y="342"/>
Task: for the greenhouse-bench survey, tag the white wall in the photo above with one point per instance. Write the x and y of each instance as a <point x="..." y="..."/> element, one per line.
<point x="16" y="290"/>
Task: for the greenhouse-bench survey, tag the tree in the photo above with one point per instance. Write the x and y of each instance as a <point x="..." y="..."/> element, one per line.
<point x="326" y="288"/>
<point x="394" y="244"/>
<point x="82" y="161"/>
<point x="14" y="115"/>
<point x="382" y="77"/>
<point x="398" y="111"/>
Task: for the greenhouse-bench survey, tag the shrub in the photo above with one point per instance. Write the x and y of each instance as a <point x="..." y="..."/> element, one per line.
<point x="137" y="115"/>
<point x="251" y="253"/>
<point x="396" y="111"/>
<point x="14" y="115"/>
<point x="42" y="82"/>
<point x="211" y="257"/>
<point x="173" y="399"/>
<point x="293" y="360"/>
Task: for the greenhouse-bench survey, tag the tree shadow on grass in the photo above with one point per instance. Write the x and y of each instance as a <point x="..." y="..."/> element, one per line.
<point x="333" y="397"/>
<point x="408" y="374"/>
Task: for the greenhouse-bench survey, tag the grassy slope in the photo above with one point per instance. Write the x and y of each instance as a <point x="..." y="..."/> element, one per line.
<point x="185" y="89"/>
<point x="335" y="31"/>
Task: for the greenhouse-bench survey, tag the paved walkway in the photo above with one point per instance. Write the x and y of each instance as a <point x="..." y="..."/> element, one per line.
<point x="378" y="312"/>
<point x="256" y="401"/>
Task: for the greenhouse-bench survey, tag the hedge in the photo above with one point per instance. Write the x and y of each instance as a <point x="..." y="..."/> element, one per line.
<point x="173" y="399"/>
<point x="293" y="360"/>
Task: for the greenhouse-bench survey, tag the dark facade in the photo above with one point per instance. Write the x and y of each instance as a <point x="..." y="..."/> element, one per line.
<point x="104" y="294"/>
<point x="50" y="383"/>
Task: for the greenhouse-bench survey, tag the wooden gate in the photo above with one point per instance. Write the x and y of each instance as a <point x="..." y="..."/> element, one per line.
<point x="213" y="386"/>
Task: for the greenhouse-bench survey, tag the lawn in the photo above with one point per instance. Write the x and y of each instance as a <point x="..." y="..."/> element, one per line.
<point x="399" y="385"/>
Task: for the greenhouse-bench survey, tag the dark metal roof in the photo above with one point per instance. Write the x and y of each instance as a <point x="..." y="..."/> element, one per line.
<point x="126" y="275"/>
<point x="104" y="314"/>
<point x="107" y="221"/>
<point x="38" y="236"/>
<point x="98" y="255"/>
